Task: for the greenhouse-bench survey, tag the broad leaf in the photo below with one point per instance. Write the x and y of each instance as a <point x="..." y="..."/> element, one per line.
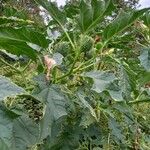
<point x="22" y="41"/>
<point x="53" y="10"/>
<point x="68" y="139"/>
<point x="101" y="80"/>
<point x="105" y="81"/>
<point x="116" y="130"/>
<point x="85" y="105"/>
<point x="87" y="119"/>
<point x="6" y="127"/>
<point x="55" y="102"/>
<point x="25" y="133"/>
<point x="3" y="146"/>
<point x="18" y="48"/>
<point x="7" y="20"/>
<point x="144" y="78"/>
<point x="17" y="133"/>
<point x="146" y="19"/>
<point x="145" y="58"/>
<point x="125" y="82"/>
<point x="23" y="35"/>
<point x="91" y="12"/>
<point x="9" y="89"/>
<point x="123" y="21"/>
<point x="123" y="108"/>
<point x="58" y="58"/>
<point x="115" y="91"/>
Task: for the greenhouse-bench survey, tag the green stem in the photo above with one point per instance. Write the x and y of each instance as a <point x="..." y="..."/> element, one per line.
<point x="108" y="141"/>
<point x="139" y="101"/>
<point x="12" y="67"/>
<point x="67" y="35"/>
<point x="16" y="70"/>
<point x="27" y="95"/>
<point x="84" y="64"/>
<point x="101" y="53"/>
<point x="81" y="69"/>
<point x="74" y="62"/>
<point x="72" y="67"/>
<point x="27" y="65"/>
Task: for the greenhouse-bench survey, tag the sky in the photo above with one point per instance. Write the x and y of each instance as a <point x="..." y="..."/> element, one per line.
<point x="143" y="3"/>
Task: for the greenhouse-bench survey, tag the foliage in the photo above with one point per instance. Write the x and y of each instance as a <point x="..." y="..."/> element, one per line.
<point x="80" y="89"/>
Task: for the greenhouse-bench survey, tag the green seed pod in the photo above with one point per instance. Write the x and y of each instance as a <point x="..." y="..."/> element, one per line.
<point x="87" y="43"/>
<point x="63" y="48"/>
<point x="90" y="54"/>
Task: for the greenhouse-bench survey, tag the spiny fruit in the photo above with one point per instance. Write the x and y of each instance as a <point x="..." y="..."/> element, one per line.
<point x="63" y="48"/>
<point x="87" y="44"/>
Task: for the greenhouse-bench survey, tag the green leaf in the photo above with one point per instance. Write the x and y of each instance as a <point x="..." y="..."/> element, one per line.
<point x="145" y="58"/>
<point x="146" y="19"/>
<point x="3" y="146"/>
<point x="123" y="21"/>
<point x="7" y="20"/>
<point x="105" y="81"/>
<point x="9" y="89"/>
<point x="17" y="133"/>
<point x="101" y="80"/>
<point x="85" y="105"/>
<point x="22" y="41"/>
<point x="85" y="17"/>
<point x="115" y="91"/>
<point x="67" y="139"/>
<point x="58" y="58"/>
<point x="18" y="48"/>
<point x="10" y="10"/>
<point x="55" y="102"/>
<point x="6" y="126"/>
<point x="144" y="78"/>
<point x="116" y="130"/>
<point x="23" y="35"/>
<point x="54" y="11"/>
<point x="125" y="82"/>
<point x="97" y="148"/>
<point x="87" y="119"/>
<point x="25" y="133"/>
<point x="91" y="13"/>
<point x="40" y="80"/>
<point x="124" y="108"/>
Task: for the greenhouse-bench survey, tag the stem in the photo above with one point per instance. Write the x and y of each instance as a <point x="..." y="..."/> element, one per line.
<point x="27" y="65"/>
<point x="74" y="62"/>
<point x="101" y="53"/>
<point x="27" y="95"/>
<point x="71" y="70"/>
<point x="41" y="62"/>
<point x="68" y="37"/>
<point x="85" y="63"/>
<point x="139" y="101"/>
<point x="79" y="68"/>
<point x="12" y="67"/>
<point x="108" y="141"/>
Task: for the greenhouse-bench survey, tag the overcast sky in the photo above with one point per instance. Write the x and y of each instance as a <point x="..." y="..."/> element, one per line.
<point x="143" y="3"/>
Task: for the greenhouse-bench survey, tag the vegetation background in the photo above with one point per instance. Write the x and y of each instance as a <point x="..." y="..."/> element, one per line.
<point x="75" y="77"/>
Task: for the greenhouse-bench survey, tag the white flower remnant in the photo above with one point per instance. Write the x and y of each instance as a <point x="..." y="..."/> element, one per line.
<point x="49" y="63"/>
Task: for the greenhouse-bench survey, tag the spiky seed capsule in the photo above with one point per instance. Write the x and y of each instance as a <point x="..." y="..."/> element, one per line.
<point x="63" y="48"/>
<point x="87" y="43"/>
